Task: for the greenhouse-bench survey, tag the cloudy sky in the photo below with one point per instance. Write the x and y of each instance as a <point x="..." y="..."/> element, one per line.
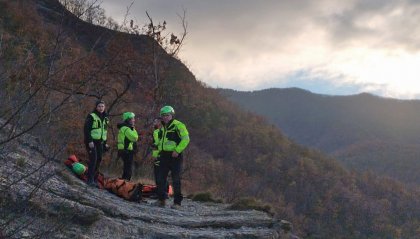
<point x="325" y="46"/>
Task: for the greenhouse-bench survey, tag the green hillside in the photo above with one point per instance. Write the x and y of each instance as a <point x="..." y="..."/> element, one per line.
<point x="233" y="153"/>
<point x="363" y="131"/>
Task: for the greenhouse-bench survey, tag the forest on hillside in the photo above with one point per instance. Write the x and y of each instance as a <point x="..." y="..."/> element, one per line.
<point x="54" y="66"/>
<point x="364" y="132"/>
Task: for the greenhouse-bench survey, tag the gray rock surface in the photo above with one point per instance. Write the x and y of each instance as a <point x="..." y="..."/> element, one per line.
<point x="40" y="198"/>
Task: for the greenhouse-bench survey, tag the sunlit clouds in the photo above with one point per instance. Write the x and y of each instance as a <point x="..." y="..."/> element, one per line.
<point x="347" y="47"/>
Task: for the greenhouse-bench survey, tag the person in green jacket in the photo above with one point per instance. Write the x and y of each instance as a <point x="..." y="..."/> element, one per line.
<point x="127" y="143"/>
<point x="173" y="138"/>
<point x="95" y="134"/>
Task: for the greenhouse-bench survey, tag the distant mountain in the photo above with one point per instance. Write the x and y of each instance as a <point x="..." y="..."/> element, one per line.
<point x="365" y="132"/>
<point x="54" y="67"/>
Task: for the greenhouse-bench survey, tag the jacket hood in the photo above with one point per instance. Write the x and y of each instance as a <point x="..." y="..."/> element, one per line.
<point x="120" y="125"/>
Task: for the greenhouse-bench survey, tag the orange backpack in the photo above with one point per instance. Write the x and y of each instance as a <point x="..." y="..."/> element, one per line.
<point x="71" y="160"/>
<point x="150" y="191"/>
<point x="125" y="189"/>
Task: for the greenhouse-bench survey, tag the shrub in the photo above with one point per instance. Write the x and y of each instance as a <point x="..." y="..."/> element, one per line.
<point x="21" y="162"/>
<point x="66" y="176"/>
<point x="249" y="204"/>
<point x="205" y="197"/>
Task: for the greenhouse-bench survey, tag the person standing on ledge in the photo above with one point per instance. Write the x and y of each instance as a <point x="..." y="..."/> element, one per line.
<point x="173" y="139"/>
<point x="127" y="143"/>
<point x="95" y="134"/>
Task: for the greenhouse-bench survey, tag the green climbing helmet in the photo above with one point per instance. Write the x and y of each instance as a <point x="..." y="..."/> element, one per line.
<point x="167" y="110"/>
<point x="78" y="168"/>
<point x="128" y="115"/>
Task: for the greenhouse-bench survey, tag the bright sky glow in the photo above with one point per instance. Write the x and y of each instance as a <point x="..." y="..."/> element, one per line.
<point x="325" y="46"/>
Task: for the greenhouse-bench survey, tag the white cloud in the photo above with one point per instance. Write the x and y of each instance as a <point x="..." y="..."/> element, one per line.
<point x="247" y="44"/>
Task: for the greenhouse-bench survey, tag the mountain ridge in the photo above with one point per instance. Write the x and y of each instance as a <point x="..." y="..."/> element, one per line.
<point x="232" y="154"/>
<point x="338" y="125"/>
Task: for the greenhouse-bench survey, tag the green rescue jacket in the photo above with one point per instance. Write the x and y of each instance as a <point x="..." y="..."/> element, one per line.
<point x="155" y="151"/>
<point x="99" y="127"/>
<point x="127" y="137"/>
<point x="173" y="137"/>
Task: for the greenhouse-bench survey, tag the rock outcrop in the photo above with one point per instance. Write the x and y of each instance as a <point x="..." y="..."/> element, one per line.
<point x="41" y="198"/>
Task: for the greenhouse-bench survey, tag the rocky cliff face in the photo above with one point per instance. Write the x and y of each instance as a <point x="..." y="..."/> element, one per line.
<point x="40" y="198"/>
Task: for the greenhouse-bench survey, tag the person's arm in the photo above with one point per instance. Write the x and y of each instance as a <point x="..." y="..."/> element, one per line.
<point x="185" y="138"/>
<point x="106" y="122"/>
<point x="156" y="137"/>
<point x="131" y="134"/>
<point x="88" y="129"/>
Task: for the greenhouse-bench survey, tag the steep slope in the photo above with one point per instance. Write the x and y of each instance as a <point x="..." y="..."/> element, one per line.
<point x="52" y="203"/>
<point x="233" y="153"/>
<point x="363" y="131"/>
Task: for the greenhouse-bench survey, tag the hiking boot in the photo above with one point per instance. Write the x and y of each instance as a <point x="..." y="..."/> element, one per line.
<point x="176" y="206"/>
<point x="159" y="203"/>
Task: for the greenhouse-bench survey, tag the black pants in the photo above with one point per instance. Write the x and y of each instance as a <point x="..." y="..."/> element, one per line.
<point x="95" y="158"/>
<point x="155" y="173"/>
<point x="127" y="157"/>
<point x="156" y="170"/>
<point x="173" y="165"/>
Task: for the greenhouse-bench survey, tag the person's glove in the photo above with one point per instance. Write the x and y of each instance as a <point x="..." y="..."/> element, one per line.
<point x="175" y="154"/>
